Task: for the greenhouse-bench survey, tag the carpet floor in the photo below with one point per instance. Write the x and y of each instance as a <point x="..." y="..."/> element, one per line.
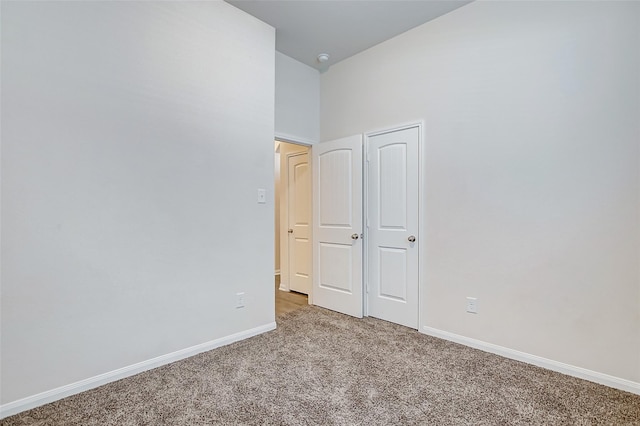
<point x="324" y="368"/>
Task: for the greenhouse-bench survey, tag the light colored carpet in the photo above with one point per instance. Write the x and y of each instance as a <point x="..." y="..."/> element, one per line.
<point x="323" y="368"/>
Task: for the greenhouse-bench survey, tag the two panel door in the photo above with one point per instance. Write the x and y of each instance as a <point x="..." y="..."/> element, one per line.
<point x="299" y="216"/>
<point x="337" y="224"/>
<point x="392" y="225"/>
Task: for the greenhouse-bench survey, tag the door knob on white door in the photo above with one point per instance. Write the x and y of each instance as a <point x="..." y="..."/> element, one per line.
<point x="411" y="239"/>
<point x="290" y="231"/>
<point x="355" y="236"/>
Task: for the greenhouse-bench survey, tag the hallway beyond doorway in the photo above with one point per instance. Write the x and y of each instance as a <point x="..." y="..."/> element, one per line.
<point x="288" y="301"/>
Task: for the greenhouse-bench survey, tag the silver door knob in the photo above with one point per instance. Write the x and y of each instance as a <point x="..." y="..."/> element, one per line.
<point x="290" y="231"/>
<point x="411" y="239"/>
<point x="355" y="236"/>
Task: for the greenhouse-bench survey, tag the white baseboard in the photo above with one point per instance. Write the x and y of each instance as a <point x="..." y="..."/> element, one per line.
<point x="33" y="401"/>
<point x="571" y="370"/>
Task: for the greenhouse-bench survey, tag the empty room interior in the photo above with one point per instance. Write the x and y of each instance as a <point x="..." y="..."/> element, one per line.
<point x="320" y="212"/>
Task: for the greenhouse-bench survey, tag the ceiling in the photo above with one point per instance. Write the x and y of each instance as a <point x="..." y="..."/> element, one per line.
<point x="341" y="28"/>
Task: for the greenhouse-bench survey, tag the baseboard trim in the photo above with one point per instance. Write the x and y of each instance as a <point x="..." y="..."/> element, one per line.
<point x="46" y="397"/>
<point x="560" y="367"/>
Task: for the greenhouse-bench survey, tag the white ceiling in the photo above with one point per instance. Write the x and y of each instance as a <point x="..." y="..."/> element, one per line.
<point x="341" y="28"/>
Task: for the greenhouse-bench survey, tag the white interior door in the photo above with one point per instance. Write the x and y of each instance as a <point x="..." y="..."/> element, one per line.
<point x="392" y="233"/>
<point x="299" y="216"/>
<point x="337" y="224"/>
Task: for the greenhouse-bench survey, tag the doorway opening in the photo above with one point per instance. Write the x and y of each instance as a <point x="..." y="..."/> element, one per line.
<point x="293" y="229"/>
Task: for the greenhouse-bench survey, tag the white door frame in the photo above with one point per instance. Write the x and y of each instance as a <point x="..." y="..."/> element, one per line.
<point x="284" y="212"/>
<point x="421" y="211"/>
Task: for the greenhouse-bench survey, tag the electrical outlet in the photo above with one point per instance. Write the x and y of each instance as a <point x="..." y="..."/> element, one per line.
<point x="472" y="305"/>
<point x="239" y="300"/>
<point x="262" y="196"/>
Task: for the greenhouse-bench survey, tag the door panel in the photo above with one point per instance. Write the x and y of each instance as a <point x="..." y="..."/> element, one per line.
<point x="336" y="171"/>
<point x="299" y="214"/>
<point x="392" y="181"/>
<point x="335" y="268"/>
<point x="393" y="273"/>
<point x="392" y="201"/>
<point x="337" y="246"/>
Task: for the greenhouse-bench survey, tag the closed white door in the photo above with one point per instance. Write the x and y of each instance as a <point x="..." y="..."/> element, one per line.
<point x="299" y="215"/>
<point x="392" y="214"/>
<point x="337" y="223"/>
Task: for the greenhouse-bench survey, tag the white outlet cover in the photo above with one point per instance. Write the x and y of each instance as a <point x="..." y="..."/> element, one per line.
<point x="472" y="305"/>
<point x="239" y="300"/>
<point x="262" y="196"/>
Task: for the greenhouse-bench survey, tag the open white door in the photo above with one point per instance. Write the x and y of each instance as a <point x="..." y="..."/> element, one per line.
<point x="337" y="225"/>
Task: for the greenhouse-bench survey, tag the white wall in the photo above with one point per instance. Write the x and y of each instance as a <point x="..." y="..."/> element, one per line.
<point x="532" y="113"/>
<point x="297" y="101"/>
<point x="134" y="137"/>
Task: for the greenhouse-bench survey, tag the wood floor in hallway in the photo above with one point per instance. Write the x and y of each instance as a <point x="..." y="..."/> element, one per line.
<point x="288" y="301"/>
